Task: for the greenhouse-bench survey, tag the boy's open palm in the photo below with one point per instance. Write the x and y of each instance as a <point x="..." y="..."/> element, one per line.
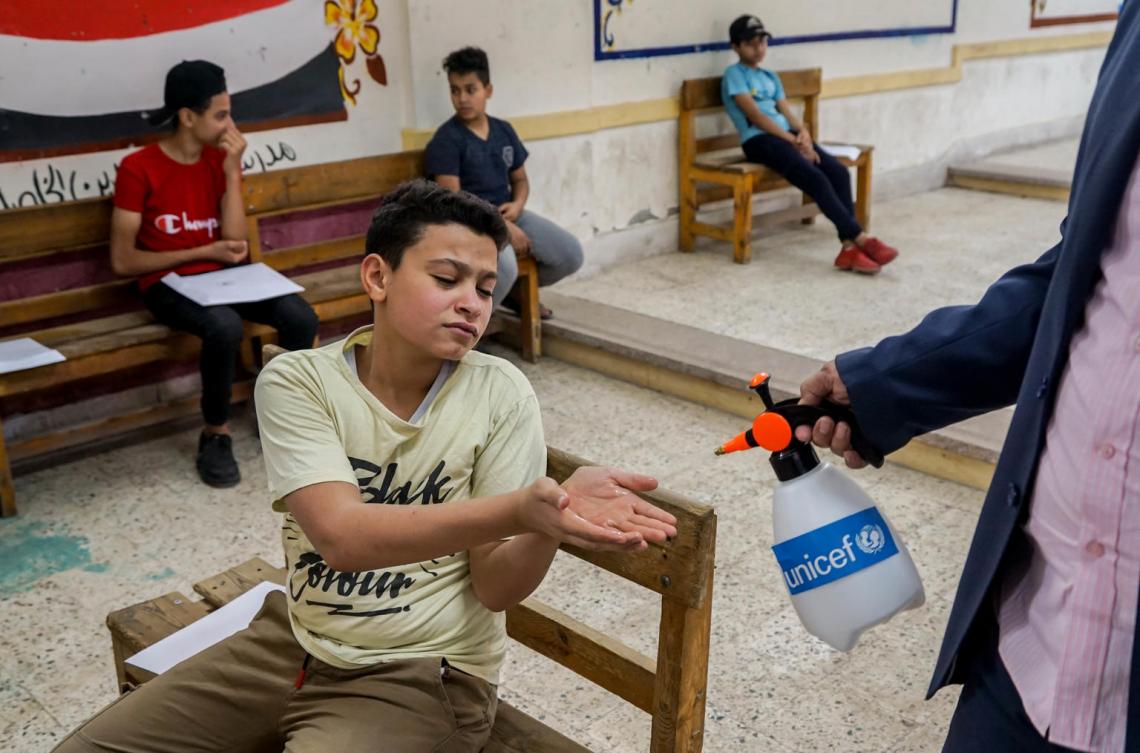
<point x="547" y="511"/>
<point x="605" y="497"/>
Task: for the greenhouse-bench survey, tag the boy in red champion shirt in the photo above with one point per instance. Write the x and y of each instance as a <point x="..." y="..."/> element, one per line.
<point x="178" y="208"/>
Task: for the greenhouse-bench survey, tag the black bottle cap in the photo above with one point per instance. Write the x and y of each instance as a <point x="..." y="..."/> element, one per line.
<point x="795" y="461"/>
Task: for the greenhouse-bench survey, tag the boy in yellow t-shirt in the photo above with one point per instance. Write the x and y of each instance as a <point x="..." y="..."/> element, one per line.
<point x="397" y="445"/>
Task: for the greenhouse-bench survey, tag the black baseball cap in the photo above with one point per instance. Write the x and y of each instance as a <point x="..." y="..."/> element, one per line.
<point x="747" y="27"/>
<point x="191" y="83"/>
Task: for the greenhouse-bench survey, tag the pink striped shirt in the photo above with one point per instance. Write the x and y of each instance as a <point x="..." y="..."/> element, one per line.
<point x="1067" y="620"/>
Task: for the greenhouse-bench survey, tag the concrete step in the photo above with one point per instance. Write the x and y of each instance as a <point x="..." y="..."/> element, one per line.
<point x="714" y="370"/>
<point x="1041" y="172"/>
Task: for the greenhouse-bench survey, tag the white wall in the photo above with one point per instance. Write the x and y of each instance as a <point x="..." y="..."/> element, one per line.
<point x="542" y="62"/>
<point x="373" y="125"/>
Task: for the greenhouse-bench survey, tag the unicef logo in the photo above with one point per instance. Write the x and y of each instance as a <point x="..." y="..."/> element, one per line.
<point x="870" y="539"/>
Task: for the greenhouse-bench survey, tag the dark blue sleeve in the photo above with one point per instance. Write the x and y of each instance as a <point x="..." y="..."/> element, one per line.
<point x="520" y="151"/>
<point x="959" y="362"/>
<point x="442" y="154"/>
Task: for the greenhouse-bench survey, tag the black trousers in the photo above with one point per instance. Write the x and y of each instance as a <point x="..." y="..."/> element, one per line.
<point x="990" y="716"/>
<point x="220" y="329"/>
<point x="828" y="183"/>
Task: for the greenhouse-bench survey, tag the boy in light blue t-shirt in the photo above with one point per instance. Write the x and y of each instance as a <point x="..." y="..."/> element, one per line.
<point x="771" y="134"/>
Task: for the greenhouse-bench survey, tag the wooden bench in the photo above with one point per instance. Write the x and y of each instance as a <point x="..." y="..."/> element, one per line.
<point x="102" y="328"/>
<point x="713" y="168"/>
<point x="670" y="687"/>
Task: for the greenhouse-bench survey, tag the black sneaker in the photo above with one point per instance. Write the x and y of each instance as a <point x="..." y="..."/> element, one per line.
<point x="216" y="464"/>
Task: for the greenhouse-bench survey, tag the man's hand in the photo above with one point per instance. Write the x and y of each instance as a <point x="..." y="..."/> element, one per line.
<point x="605" y="497"/>
<point x="228" y="252"/>
<point x="544" y="508"/>
<point x="803" y="139"/>
<point x="518" y="239"/>
<point x="826" y="384"/>
<point x="511" y="211"/>
<point x="233" y="143"/>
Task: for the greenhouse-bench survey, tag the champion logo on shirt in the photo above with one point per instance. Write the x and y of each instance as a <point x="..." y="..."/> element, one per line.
<point x="173" y="224"/>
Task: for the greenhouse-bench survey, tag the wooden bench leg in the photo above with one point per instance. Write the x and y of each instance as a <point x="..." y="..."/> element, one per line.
<point x="680" y="689"/>
<point x="863" y="194"/>
<point x="808" y="220"/>
<point x="742" y="219"/>
<point x="530" y="320"/>
<point x="687" y="214"/>
<point x="7" y="489"/>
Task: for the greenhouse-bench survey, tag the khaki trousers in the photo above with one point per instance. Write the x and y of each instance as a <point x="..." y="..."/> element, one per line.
<point x="241" y="696"/>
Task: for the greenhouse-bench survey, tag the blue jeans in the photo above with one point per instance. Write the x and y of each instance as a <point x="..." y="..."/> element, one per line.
<point x="557" y="252"/>
<point x="828" y="183"/>
<point x="220" y="329"/>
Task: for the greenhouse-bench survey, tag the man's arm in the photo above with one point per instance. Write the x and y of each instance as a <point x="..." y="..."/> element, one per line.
<point x="793" y="120"/>
<point x="128" y="260"/>
<point x="450" y="182"/>
<point x="760" y="120"/>
<point x="520" y="190"/>
<point x="233" y="206"/>
<point x="353" y="536"/>
<point x="959" y="362"/>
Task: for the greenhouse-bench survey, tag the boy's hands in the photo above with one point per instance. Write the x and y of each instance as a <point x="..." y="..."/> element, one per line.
<point x="826" y="384"/>
<point x="233" y="143"/>
<point x="518" y="239"/>
<point x="511" y="211"/>
<point x="545" y="508"/>
<point x="596" y="510"/>
<point x="227" y="252"/>
<point x="605" y="497"/>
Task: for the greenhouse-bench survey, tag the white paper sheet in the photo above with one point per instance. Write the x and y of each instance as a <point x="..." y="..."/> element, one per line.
<point x="842" y="150"/>
<point x="243" y="284"/>
<point x="201" y="634"/>
<point x="25" y="353"/>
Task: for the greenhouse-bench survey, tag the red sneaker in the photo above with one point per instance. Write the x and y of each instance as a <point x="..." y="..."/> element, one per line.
<point x="880" y="252"/>
<point x="852" y="258"/>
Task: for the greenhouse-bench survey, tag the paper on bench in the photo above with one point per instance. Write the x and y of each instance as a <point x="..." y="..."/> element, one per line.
<point x="205" y="632"/>
<point x="243" y="284"/>
<point x="25" y="353"/>
<point x="849" y="151"/>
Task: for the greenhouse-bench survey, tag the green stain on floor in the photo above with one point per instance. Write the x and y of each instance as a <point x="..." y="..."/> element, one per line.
<point x="29" y="555"/>
<point x="165" y="573"/>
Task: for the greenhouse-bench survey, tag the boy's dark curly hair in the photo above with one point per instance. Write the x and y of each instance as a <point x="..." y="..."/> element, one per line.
<point x="403" y="214"/>
<point x="469" y="60"/>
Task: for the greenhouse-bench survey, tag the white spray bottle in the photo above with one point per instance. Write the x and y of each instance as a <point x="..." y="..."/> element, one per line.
<point x="845" y="567"/>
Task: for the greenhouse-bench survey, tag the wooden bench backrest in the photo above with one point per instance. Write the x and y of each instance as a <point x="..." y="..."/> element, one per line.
<point x="79" y="226"/>
<point x="701" y="96"/>
<point x="672" y="687"/>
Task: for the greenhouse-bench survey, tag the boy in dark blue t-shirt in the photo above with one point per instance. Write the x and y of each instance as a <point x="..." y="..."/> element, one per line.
<point x="483" y="156"/>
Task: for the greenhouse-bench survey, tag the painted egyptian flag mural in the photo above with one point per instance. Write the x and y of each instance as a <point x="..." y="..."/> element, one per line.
<point x="80" y="75"/>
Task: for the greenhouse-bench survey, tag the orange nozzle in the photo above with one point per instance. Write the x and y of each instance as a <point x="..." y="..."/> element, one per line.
<point x="757" y="380"/>
<point x="769" y="430"/>
<point x="737" y="443"/>
<point x="772" y="431"/>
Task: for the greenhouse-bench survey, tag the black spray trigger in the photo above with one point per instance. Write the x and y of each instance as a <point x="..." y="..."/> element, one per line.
<point x="807" y="415"/>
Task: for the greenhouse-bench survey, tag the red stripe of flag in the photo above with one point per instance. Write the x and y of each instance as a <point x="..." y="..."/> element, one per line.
<point x="86" y="20"/>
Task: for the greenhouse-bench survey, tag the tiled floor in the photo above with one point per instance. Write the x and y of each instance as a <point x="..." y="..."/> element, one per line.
<point x="127" y="525"/>
<point x="953" y="244"/>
